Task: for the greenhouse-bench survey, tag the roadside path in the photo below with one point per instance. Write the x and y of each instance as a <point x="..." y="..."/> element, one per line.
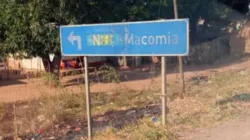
<point x="238" y="129"/>
<point x="24" y="90"/>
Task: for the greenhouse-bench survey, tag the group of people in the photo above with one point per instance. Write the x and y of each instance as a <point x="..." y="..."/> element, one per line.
<point x="74" y="63"/>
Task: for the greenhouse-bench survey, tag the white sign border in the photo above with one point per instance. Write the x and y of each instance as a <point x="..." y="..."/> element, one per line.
<point x="122" y="23"/>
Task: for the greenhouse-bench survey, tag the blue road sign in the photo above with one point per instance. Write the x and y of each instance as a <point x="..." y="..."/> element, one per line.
<point x="148" y="38"/>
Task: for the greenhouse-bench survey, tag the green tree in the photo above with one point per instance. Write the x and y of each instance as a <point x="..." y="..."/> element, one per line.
<point x="29" y="28"/>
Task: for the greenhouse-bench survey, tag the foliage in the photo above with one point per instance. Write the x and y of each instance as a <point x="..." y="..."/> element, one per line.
<point x="51" y="80"/>
<point x="63" y="106"/>
<point x="147" y="130"/>
<point x="109" y="74"/>
<point x="30" y="27"/>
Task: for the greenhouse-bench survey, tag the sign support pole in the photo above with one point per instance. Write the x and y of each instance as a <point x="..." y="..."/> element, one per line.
<point x="164" y="91"/>
<point x="87" y="92"/>
<point x="182" y="82"/>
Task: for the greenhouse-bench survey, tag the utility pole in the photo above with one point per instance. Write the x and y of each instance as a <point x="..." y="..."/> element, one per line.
<point x="182" y="82"/>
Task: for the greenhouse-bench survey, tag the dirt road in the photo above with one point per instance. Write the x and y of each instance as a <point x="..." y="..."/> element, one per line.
<point x="238" y="129"/>
<point x="28" y="89"/>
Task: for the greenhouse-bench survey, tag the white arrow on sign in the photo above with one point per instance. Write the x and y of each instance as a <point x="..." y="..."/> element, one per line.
<point x="72" y="38"/>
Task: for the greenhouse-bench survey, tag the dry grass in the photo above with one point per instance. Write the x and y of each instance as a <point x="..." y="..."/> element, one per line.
<point x="127" y="114"/>
<point x="200" y="107"/>
<point x="122" y="99"/>
<point x="1" y="110"/>
<point x="144" y="130"/>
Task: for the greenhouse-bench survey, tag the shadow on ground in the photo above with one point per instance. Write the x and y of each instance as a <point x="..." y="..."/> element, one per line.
<point x="130" y="75"/>
<point x="66" y="129"/>
<point x="245" y="97"/>
<point x="117" y="119"/>
<point x="11" y="82"/>
<point x="147" y="72"/>
<point x="120" y="118"/>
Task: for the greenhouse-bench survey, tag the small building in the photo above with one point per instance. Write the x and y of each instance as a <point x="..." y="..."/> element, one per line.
<point x="3" y="65"/>
<point x="36" y="63"/>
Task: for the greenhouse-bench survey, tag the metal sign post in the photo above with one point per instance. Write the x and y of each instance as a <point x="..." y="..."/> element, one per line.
<point x="164" y="91"/>
<point x="87" y="92"/>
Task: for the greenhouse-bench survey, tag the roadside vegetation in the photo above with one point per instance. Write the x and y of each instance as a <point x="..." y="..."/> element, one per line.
<point x="128" y="114"/>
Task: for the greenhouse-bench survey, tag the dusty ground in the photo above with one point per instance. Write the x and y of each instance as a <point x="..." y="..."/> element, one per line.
<point x="237" y="129"/>
<point x="136" y="80"/>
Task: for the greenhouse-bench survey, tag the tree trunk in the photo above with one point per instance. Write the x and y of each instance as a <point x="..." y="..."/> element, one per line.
<point x="52" y="67"/>
<point x="125" y="62"/>
<point x="193" y="25"/>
